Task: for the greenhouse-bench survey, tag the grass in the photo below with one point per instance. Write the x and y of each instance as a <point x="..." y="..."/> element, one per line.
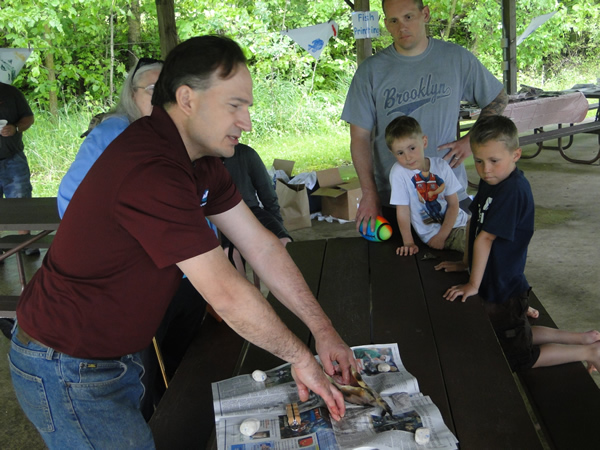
<point x="289" y="122"/>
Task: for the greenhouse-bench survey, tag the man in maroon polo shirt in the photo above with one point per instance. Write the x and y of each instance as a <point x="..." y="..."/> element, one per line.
<point x="136" y="222"/>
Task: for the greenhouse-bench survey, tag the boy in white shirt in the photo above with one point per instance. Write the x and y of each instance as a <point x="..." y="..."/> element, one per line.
<point x="424" y="191"/>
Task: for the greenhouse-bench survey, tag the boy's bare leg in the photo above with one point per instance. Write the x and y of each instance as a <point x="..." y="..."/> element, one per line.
<point x="533" y="313"/>
<point x="555" y="354"/>
<point x="561" y="346"/>
<point x="546" y="335"/>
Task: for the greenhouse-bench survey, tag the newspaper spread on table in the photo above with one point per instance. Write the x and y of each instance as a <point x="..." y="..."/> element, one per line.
<point x="363" y="427"/>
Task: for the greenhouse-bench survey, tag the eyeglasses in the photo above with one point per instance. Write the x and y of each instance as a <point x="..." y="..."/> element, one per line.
<point x="145" y="62"/>
<point x="149" y="89"/>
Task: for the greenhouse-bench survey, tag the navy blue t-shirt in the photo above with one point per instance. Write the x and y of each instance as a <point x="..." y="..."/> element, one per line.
<point x="505" y="210"/>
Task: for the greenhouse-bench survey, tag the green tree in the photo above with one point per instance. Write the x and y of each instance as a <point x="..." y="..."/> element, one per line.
<point x="75" y="56"/>
<point x="72" y="45"/>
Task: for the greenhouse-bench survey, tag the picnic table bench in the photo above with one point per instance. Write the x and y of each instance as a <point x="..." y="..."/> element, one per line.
<point x="12" y="244"/>
<point x="373" y="296"/>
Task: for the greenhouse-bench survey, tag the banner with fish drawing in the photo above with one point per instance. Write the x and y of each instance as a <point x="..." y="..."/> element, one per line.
<point x="314" y="38"/>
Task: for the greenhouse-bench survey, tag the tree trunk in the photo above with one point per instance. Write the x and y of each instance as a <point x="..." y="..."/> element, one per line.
<point x="112" y="54"/>
<point x="167" y="31"/>
<point x="446" y="34"/>
<point x="133" y="33"/>
<point x="52" y="94"/>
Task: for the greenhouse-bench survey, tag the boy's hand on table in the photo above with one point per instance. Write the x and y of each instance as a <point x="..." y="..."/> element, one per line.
<point x="407" y="250"/>
<point x="464" y="290"/>
<point x="452" y="266"/>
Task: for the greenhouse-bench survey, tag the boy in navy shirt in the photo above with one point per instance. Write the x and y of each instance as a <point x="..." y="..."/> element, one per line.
<point x="499" y="232"/>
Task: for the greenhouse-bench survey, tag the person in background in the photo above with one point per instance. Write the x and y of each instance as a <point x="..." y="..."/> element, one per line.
<point x="15" y="118"/>
<point x="501" y="226"/>
<point x="134" y="102"/>
<point x="256" y="186"/>
<point x="416" y="76"/>
<point x="136" y="223"/>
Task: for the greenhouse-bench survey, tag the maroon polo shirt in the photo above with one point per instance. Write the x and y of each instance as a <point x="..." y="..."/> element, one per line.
<point x="110" y="273"/>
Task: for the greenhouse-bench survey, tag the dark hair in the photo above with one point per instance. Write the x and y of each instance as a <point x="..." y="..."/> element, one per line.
<point x="401" y="127"/>
<point x="193" y="62"/>
<point x="419" y="4"/>
<point x="495" y="128"/>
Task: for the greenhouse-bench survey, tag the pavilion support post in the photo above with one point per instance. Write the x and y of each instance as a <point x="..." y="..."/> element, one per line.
<point x="509" y="45"/>
<point x="364" y="48"/>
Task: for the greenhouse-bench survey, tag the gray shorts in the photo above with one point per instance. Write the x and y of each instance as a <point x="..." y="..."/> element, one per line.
<point x="456" y="240"/>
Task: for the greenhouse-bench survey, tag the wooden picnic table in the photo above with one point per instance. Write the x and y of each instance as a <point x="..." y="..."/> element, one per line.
<point x="375" y="297"/>
<point x="25" y="214"/>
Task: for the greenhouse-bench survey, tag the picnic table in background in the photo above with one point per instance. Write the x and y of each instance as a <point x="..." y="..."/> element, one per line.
<point x="25" y="214"/>
<point x="535" y="109"/>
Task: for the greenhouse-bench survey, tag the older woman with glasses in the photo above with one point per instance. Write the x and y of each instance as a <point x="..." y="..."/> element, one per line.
<point x="135" y="102"/>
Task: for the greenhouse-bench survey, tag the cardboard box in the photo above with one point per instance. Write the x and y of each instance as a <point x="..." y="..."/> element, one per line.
<point x="293" y="199"/>
<point x="339" y="199"/>
<point x="285" y="165"/>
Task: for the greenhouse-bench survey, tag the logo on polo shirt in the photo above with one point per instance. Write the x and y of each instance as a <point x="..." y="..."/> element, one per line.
<point x="204" y="198"/>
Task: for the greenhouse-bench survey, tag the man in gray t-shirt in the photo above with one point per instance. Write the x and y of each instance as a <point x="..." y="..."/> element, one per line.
<point x="418" y="76"/>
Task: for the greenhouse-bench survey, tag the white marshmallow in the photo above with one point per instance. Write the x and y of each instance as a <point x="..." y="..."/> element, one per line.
<point x="249" y="426"/>
<point x="422" y="435"/>
<point x="384" y="367"/>
<point x="259" y="375"/>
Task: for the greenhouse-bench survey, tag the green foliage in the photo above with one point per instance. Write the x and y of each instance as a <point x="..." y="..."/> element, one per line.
<point x="51" y="144"/>
<point x="477" y="25"/>
<point x="256" y="26"/>
<point x="77" y="34"/>
<point x="298" y="99"/>
<point x="288" y="123"/>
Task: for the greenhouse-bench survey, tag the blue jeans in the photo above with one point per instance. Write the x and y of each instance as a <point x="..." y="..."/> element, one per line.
<point x="15" y="177"/>
<point x="80" y="403"/>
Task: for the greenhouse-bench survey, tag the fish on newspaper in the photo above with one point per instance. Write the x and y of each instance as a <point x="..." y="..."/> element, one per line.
<point x="359" y="393"/>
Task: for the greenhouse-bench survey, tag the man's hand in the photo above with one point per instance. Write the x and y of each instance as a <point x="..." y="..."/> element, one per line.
<point x="8" y="130"/>
<point x="310" y="377"/>
<point x="451" y="266"/>
<point x="457" y="151"/>
<point x="331" y="348"/>
<point x="408" y="249"/>
<point x="368" y="210"/>
<point x="464" y="290"/>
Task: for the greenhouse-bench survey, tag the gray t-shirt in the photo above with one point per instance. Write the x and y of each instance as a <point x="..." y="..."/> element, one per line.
<point x="428" y="87"/>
